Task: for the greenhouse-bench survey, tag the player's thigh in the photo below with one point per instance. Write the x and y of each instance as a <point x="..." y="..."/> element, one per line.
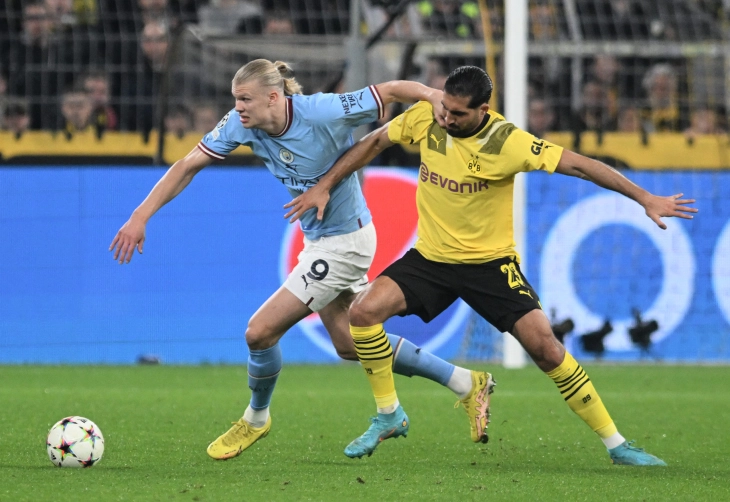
<point x="335" y="320"/>
<point x="276" y="316"/>
<point x="332" y="265"/>
<point x="410" y="285"/>
<point x="498" y="292"/>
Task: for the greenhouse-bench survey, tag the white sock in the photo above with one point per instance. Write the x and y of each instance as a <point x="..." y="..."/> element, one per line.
<point x="613" y="441"/>
<point x="460" y="382"/>
<point x="389" y="409"/>
<point x="257" y="418"/>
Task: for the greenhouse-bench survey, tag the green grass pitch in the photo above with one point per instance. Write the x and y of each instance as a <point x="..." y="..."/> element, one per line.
<point x="157" y="422"/>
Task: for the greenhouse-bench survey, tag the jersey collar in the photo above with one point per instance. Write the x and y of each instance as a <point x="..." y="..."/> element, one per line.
<point x="487" y="118"/>
<point x="289" y="118"/>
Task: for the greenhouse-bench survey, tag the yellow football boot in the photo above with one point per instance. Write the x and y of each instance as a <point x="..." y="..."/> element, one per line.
<point x="476" y="405"/>
<point x="238" y="438"/>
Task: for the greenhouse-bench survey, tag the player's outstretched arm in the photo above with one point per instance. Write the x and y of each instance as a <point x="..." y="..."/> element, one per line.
<point x="132" y="233"/>
<point x="405" y="91"/>
<point x="359" y="155"/>
<point x="656" y="207"/>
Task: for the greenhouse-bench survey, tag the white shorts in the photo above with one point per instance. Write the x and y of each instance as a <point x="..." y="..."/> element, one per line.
<point x="331" y="265"/>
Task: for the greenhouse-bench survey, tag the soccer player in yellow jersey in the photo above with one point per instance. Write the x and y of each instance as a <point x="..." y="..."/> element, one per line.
<point x="465" y="247"/>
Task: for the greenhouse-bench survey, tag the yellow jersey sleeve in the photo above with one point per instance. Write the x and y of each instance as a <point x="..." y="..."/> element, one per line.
<point x="411" y="126"/>
<point x="523" y="152"/>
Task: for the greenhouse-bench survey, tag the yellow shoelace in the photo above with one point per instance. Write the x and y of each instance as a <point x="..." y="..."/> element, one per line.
<point x="235" y="434"/>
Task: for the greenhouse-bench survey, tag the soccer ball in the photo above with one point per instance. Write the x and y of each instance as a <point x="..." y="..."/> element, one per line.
<point x="75" y="442"/>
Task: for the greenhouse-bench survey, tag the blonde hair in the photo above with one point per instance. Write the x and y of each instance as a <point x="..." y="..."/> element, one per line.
<point x="276" y="74"/>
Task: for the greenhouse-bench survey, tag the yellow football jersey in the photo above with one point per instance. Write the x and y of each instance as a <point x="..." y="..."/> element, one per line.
<point x="465" y="185"/>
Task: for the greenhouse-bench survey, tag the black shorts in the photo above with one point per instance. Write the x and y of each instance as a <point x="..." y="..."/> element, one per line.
<point x="496" y="290"/>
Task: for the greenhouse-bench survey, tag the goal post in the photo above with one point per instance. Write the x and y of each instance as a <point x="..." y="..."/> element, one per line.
<point x="515" y="110"/>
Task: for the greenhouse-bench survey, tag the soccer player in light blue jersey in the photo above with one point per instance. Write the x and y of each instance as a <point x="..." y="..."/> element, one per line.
<point x="299" y="138"/>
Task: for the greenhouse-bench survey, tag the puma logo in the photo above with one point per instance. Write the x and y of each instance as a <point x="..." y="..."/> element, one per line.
<point x="436" y="140"/>
<point x="522" y="293"/>
<point x="306" y="283"/>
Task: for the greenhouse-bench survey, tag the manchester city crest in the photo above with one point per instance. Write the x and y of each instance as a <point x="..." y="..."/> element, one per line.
<point x="286" y="156"/>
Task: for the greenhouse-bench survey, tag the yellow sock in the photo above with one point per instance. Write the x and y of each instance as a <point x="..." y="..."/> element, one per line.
<point x="581" y="396"/>
<point x="376" y="356"/>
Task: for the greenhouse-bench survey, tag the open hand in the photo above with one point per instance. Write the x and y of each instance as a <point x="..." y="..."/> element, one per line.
<point x="317" y="196"/>
<point x="131" y="235"/>
<point x="659" y="207"/>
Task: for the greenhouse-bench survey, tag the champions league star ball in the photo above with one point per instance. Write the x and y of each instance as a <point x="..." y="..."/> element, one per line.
<point x="75" y="442"/>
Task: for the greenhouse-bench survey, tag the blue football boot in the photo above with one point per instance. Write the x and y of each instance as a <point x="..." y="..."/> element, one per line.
<point x="626" y="454"/>
<point x="383" y="427"/>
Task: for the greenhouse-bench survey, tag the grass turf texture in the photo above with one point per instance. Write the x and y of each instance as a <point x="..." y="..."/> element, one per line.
<point x="157" y="422"/>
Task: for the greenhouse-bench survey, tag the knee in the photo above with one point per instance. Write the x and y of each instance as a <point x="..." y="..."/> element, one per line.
<point x="363" y="313"/>
<point x="258" y="336"/>
<point x="550" y="353"/>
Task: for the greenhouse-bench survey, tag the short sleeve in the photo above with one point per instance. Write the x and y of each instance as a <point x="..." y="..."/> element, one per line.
<point x="219" y="142"/>
<point x="411" y="126"/>
<point x="524" y="152"/>
<point x="351" y="108"/>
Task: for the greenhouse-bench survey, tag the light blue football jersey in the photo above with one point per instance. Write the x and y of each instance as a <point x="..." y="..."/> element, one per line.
<point x="318" y="131"/>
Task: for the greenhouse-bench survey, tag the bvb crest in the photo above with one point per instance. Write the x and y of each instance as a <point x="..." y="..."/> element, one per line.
<point x="474" y="165"/>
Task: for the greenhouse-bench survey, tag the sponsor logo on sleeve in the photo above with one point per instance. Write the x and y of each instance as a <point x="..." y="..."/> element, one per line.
<point x="350" y="101"/>
<point x="537" y="147"/>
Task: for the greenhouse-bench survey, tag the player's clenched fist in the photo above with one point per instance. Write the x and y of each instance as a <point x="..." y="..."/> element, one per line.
<point x="131" y="235"/>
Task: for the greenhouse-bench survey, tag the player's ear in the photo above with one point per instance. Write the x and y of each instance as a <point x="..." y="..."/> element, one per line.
<point x="273" y="97"/>
<point x="484" y="107"/>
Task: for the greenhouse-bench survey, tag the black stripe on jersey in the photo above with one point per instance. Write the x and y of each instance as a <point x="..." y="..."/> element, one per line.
<point x="495" y="143"/>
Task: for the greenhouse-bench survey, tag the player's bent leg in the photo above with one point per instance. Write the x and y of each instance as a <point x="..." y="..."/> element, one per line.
<point x="472" y="387"/>
<point x="409" y="359"/>
<point x="276" y="316"/>
<point x="534" y="333"/>
<point x="375" y="304"/>
<point x="279" y="313"/>
<point x="378" y="302"/>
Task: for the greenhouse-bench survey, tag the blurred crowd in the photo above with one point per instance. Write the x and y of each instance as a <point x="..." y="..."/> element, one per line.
<point x="78" y="65"/>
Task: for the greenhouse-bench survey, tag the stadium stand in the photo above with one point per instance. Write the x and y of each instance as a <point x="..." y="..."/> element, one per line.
<point x="605" y="74"/>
